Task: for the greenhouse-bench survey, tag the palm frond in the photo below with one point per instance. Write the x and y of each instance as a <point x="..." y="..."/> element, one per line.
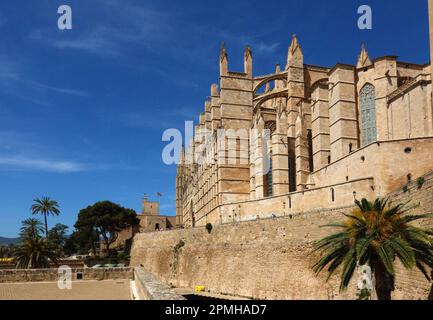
<point x="331" y="240"/>
<point x="404" y="251"/>
<point x="386" y="255"/>
<point x="411" y="218"/>
<point x="330" y="256"/>
<point x="349" y="265"/>
<point x="376" y="233"/>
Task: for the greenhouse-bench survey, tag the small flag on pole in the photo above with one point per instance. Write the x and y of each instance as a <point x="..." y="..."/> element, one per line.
<point x="159" y="194"/>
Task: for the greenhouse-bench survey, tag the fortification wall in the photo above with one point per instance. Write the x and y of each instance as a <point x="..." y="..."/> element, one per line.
<point x="414" y="156"/>
<point x="330" y="197"/>
<point x="264" y="259"/>
<point x="51" y="275"/>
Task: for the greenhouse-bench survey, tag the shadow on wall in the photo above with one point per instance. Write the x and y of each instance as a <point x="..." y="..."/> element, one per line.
<point x="430" y="296"/>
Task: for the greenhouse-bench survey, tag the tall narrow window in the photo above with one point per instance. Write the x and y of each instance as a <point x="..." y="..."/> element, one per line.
<point x="268" y="180"/>
<point x="310" y="150"/>
<point x="292" y="164"/>
<point x="368" y="114"/>
<point x="192" y="215"/>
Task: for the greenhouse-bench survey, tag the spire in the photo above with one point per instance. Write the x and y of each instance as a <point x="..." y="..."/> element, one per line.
<point x="277" y="68"/>
<point x="223" y="60"/>
<point x="295" y="57"/>
<point x="223" y="55"/>
<point x="295" y="44"/>
<point x="248" y="61"/>
<point x="248" y="53"/>
<point x="363" y="58"/>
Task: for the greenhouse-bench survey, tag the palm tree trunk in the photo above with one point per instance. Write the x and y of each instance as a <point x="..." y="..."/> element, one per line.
<point x="46" y="225"/>
<point x="430" y="296"/>
<point x="384" y="281"/>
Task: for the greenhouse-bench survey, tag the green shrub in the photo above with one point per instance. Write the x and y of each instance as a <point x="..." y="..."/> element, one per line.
<point x="176" y="251"/>
<point x="122" y="256"/>
<point x="179" y="246"/>
<point x="209" y="227"/>
<point x="405" y="189"/>
<point x="420" y="181"/>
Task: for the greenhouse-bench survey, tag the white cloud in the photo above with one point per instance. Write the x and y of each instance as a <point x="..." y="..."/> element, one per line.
<point x="98" y="41"/>
<point x="11" y="71"/>
<point x="121" y="24"/>
<point x="23" y="163"/>
<point x="263" y="48"/>
<point x="68" y="91"/>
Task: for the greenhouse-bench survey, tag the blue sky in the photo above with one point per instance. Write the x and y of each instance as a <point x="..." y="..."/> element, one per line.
<point x="82" y="112"/>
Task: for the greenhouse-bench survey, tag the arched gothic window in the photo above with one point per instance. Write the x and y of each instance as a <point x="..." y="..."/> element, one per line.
<point x="368" y="114"/>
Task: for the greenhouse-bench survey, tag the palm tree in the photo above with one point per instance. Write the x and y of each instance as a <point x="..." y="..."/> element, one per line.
<point x="45" y="206"/>
<point x="31" y="229"/>
<point x="34" y="251"/>
<point x="375" y="234"/>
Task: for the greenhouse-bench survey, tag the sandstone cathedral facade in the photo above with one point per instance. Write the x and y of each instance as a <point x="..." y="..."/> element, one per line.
<point x="336" y="134"/>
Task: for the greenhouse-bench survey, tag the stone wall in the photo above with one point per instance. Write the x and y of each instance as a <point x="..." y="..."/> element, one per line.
<point x="331" y="197"/>
<point x="413" y="282"/>
<point x="148" y="287"/>
<point x="77" y="264"/>
<point x="264" y="259"/>
<point x="51" y="275"/>
<point x="379" y="160"/>
<point x="367" y="172"/>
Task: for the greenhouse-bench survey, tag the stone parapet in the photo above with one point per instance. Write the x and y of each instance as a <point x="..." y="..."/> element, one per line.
<point x="148" y="287"/>
<point x="50" y="275"/>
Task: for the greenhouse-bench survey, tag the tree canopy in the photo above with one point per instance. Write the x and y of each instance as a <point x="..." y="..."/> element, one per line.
<point x="106" y="219"/>
<point x="34" y="251"/>
<point x="57" y="238"/>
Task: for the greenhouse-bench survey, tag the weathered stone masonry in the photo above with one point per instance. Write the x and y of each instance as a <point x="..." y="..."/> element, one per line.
<point x="336" y="133"/>
<point x="267" y="258"/>
<point x="352" y="130"/>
